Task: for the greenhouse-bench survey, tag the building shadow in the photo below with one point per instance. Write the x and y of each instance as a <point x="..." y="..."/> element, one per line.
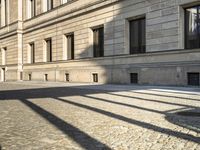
<point x="167" y="96"/>
<point x="152" y="100"/>
<point x="78" y="136"/>
<point x="135" y="122"/>
<point x="83" y="139"/>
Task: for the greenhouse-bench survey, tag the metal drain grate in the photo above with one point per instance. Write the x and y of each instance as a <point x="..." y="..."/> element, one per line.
<point x="189" y="114"/>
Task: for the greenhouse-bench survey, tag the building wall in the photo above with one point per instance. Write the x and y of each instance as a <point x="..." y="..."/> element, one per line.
<point x="166" y="61"/>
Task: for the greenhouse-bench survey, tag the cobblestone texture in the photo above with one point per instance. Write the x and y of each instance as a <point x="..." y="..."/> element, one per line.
<point x="72" y="116"/>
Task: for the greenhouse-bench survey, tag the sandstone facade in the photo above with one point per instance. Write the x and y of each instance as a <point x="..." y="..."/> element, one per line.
<point x="166" y="61"/>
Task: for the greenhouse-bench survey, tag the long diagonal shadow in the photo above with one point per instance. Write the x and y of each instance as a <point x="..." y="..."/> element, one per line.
<point x="173" y="92"/>
<point x="135" y="122"/>
<point x="168" y="96"/>
<point x="123" y="104"/>
<point x="151" y="100"/>
<point x="81" y="138"/>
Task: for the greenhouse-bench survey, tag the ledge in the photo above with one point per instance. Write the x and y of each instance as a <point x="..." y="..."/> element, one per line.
<point x="6" y="30"/>
<point x="125" y="56"/>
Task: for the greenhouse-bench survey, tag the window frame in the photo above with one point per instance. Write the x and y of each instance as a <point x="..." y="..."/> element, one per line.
<point x="141" y="48"/>
<point x="62" y="1"/>
<point x="186" y="25"/>
<point x="49" y="58"/>
<point x="32" y="52"/>
<point x="70" y="53"/>
<point x="95" y="77"/>
<point x="49" y="4"/>
<point x="4" y="56"/>
<point x="32" y="11"/>
<point x="5" y="11"/>
<point x="98" y="51"/>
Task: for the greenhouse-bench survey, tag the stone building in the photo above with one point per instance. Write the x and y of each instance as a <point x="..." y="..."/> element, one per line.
<point x="105" y="41"/>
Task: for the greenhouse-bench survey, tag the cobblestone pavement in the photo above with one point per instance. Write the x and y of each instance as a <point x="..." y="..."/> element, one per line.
<point x="76" y="116"/>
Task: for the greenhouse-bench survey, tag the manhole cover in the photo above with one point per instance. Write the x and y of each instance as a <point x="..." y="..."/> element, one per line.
<point x="189" y="113"/>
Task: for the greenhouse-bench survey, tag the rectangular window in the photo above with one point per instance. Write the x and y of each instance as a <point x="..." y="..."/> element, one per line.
<point x="137" y="36"/>
<point x="3" y="74"/>
<point x="134" y="78"/>
<point x="6" y="15"/>
<point x="48" y="50"/>
<point x="67" y="77"/>
<point x="45" y="77"/>
<point x="49" y="5"/>
<point x="21" y="75"/>
<point x="4" y="55"/>
<point x="64" y="1"/>
<point x="0" y="12"/>
<point x="32" y="8"/>
<point x="29" y="77"/>
<point x="192" y="27"/>
<point x="3" y="12"/>
<point x="32" y="53"/>
<point x="95" y="77"/>
<point x="98" y="42"/>
<point x="193" y="79"/>
<point x="70" y="46"/>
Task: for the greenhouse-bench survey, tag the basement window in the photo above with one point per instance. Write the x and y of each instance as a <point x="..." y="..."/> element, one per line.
<point x="193" y="78"/>
<point x="134" y="78"/>
<point x="67" y="77"/>
<point x="46" y="77"/>
<point x="21" y="75"/>
<point x="95" y="77"/>
<point x="29" y="77"/>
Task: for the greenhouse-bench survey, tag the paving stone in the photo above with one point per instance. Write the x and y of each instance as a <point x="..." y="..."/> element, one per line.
<point x="58" y="116"/>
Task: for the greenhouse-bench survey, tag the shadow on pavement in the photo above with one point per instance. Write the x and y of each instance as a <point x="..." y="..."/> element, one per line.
<point x="83" y="139"/>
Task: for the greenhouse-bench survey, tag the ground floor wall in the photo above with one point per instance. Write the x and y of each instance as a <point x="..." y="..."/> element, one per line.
<point x="163" y="68"/>
<point x="10" y="73"/>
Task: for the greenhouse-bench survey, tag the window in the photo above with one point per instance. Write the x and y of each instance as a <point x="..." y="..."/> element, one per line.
<point x="3" y="13"/>
<point x="4" y="55"/>
<point x="32" y="53"/>
<point x="192" y="27"/>
<point x="48" y="50"/>
<point x="49" y="5"/>
<point x="70" y="46"/>
<point x="45" y="77"/>
<point x="98" y="42"/>
<point x="21" y="75"/>
<point x="31" y="8"/>
<point x="134" y="78"/>
<point x="95" y="77"/>
<point x="137" y="36"/>
<point x="29" y="77"/>
<point x="193" y="79"/>
<point x="67" y="77"/>
<point x="3" y="74"/>
<point x="0" y="12"/>
<point x="64" y="1"/>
